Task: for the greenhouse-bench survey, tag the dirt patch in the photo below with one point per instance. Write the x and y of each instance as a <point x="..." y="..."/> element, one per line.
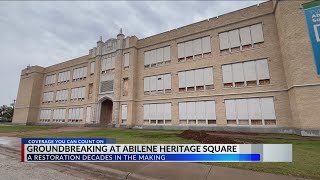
<point x="205" y="138"/>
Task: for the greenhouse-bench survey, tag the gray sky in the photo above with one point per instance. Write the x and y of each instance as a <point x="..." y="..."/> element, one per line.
<point x="46" y="33"/>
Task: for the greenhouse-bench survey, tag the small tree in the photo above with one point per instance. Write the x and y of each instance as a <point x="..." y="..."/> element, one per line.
<point x="6" y="112"/>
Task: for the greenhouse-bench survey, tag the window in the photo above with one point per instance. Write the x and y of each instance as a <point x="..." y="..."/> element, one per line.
<point x="241" y="39"/>
<point x="196" y="80"/>
<point x="63" y="77"/>
<point x="159" y="84"/>
<point x="157" y="113"/>
<point x="62" y="95"/>
<point x="157" y="57"/>
<point x="125" y="86"/>
<point x="45" y="115"/>
<point x="124" y="111"/>
<point x="126" y="61"/>
<point x="47" y="97"/>
<point x="252" y="111"/>
<point x="79" y="74"/>
<point x="75" y="115"/>
<point x="59" y="115"/>
<point x="50" y="80"/>
<point x="92" y="66"/>
<point x="78" y="94"/>
<point x="88" y="115"/>
<point x="108" y="64"/>
<point x="194" y="49"/>
<point x="197" y="112"/>
<point x="250" y="73"/>
<point x="90" y="91"/>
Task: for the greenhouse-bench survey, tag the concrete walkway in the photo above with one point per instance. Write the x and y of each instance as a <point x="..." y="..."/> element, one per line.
<point x="134" y="170"/>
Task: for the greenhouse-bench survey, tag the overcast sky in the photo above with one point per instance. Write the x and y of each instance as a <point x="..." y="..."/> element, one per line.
<point x="46" y="33"/>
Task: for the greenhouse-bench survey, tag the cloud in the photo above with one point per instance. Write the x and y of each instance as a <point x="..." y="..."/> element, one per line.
<point x="46" y="33"/>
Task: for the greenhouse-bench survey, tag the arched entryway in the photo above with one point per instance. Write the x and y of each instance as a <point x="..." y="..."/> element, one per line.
<point x="106" y="111"/>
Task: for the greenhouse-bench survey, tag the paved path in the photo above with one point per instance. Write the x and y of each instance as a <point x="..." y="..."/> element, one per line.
<point x="10" y="154"/>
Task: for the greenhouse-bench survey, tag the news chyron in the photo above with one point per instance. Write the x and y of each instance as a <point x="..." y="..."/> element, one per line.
<point x="106" y="150"/>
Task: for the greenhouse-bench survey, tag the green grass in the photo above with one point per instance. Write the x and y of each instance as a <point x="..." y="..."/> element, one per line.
<point x="306" y="159"/>
<point x="8" y="128"/>
<point x="306" y="152"/>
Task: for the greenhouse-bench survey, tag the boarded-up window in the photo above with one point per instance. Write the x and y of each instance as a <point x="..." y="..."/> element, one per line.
<point x="45" y="115"/>
<point x="242" y="38"/>
<point x="147" y="59"/>
<point x="64" y="77"/>
<point x="190" y="78"/>
<point x="183" y="112"/>
<point x="92" y="64"/>
<point x="181" y="53"/>
<point x="251" y="72"/>
<point x="146" y="84"/>
<point x="198" y="79"/>
<point x="197" y="112"/>
<point x="224" y="41"/>
<point x="234" y="38"/>
<point x="167" y="82"/>
<point x="75" y="115"/>
<point x="197" y="47"/>
<point x="206" y="45"/>
<point x="79" y="74"/>
<point x="59" y="115"/>
<point x="160" y="83"/>
<point x="182" y="79"/>
<point x="245" y="36"/>
<point x="227" y="75"/>
<point x="157" y="57"/>
<point x="231" y="112"/>
<point x="238" y="75"/>
<point x="157" y="113"/>
<point x="188" y="48"/>
<point x="153" y="83"/>
<point x="124" y="112"/>
<point x="125" y="86"/>
<point x="263" y="69"/>
<point x="252" y="111"/>
<point x="166" y="54"/>
<point x="257" y="33"/>
<point x="78" y="93"/>
<point x="267" y="106"/>
<point x="88" y="114"/>
<point x="48" y="97"/>
<point x="50" y="79"/>
<point x="126" y="60"/>
<point x="153" y="57"/>
<point x="62" y="95"/>
<point x="157" y="84"/>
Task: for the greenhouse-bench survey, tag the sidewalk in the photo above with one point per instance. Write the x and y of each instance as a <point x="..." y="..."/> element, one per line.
<point x="175" y="171"/>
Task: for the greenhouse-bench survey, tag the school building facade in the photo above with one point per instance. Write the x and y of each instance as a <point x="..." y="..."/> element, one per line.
<point x="251" y="70"/>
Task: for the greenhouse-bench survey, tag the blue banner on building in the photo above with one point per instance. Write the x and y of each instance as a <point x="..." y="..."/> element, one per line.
<point x="312" y="14"/>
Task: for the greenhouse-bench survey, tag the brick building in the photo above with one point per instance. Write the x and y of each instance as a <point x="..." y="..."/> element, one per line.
<point x="248" y="70"/>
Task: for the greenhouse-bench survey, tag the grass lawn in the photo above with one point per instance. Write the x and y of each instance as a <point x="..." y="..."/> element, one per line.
<point x="8" y="128"/>
<point x="306" y="152"/>
<point x="306" y="160"/>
